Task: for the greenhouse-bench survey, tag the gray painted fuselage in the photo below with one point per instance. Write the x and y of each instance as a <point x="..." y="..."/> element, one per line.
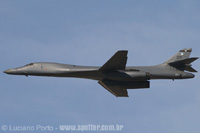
<point x="89" y="72"/>
<point x="114" y="76"/>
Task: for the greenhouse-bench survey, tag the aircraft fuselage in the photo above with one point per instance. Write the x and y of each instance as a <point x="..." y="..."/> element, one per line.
<point x="129" y="74"/>
<point x="114" y="76"/>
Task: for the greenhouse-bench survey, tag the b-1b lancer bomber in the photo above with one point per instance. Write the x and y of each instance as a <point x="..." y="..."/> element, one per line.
<point x="114" y="75"/>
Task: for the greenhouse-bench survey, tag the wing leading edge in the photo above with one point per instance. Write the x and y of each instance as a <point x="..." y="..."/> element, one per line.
<point x="116" y="62"/>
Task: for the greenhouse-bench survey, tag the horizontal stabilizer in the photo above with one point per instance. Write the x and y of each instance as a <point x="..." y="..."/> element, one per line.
<point x="190" y="60"/>
<point x="184" y="64"/>
<point x="185" y="61"/>
<point x="190" y="69"/>
<point x="116" y="62"/>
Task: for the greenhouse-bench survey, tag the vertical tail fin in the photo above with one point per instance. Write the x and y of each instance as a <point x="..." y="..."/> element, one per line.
<point x="182" y="61"/>
<point x="181" y="55"/>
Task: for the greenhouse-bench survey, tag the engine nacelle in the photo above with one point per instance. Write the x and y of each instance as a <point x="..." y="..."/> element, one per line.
<point x="127" y="76"/>
<point x="139" y="75"/>
<point x="125" y="84"/>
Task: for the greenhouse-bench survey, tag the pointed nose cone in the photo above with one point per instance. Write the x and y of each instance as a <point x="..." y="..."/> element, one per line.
<point x="7" y="71"/>
<point x="10" y="71"/>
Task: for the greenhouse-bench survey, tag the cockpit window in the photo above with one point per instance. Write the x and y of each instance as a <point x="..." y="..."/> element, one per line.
<point x="29" y="64"/>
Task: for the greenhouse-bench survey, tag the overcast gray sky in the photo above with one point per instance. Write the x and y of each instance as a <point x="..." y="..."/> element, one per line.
<point x="89" y="32"/>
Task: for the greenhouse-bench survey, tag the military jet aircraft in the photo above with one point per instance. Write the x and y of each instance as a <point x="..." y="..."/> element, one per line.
<point x="114" y="75"/>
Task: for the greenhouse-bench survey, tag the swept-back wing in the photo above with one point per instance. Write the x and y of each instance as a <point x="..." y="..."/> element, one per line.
<point x="116" y="62"/>
<point x="119" y="88"/>
<point x="118" y="91"/>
